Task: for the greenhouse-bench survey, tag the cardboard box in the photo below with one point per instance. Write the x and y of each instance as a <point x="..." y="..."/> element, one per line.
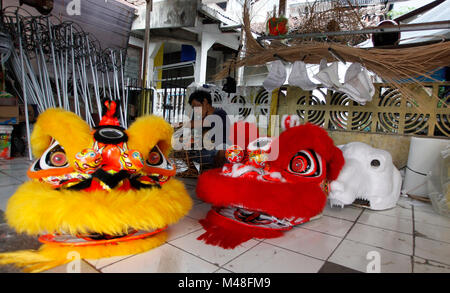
<point x="8" y="102"/>
<point x="9" y="115"/>
<point x="32" y="113"/>
<point x="9" y="111"/>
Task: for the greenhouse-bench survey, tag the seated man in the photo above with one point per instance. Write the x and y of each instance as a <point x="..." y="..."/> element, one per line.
<point x="201" y="102"/>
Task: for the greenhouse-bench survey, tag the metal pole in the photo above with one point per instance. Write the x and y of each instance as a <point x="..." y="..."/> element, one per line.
<point x="25" y="100"/>
<point x="399" y="28"/>
<point x="122" y="63"/>
<point x="50" y="30"/>
<point x="94" y="80"/>
<point x="146" y="97"/>
<point x="74" y="74"/>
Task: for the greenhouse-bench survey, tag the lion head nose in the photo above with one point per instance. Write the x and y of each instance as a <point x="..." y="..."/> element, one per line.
<point x="132" y="161"/>
<point x="88" y="161"/>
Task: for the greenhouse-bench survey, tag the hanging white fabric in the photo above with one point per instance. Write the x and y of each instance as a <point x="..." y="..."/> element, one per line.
<point x="357" y="84"/>
<point x="328" y="75"/>
<point x="299" y="77"/>
<point x="277" y="76"/>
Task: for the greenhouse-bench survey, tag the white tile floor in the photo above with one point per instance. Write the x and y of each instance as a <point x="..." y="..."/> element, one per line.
<point x="408" y="238"/>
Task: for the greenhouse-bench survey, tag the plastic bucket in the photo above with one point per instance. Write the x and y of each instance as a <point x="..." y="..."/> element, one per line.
<point x="5" y="141"/>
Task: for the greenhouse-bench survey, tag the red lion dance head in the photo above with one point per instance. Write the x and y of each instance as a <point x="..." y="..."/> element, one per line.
<point x="259" y="195"/>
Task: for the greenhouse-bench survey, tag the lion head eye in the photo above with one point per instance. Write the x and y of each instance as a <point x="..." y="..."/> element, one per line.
<point x="58" y="159"/>
<point x="154" y="158"/>
<point x="305" y="163"/>
<point x="53" y="158"/>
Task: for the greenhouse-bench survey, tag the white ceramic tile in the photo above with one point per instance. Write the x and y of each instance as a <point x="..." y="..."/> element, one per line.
<point x="398" y="212"/>
<point x="103" y="262"/>
<point x="163" y="259"/>
<point x="348" y="213"/>
<point x="356" y="256"/>
<point x="405" y="202"/>
<point x="427" y="266"/>
<point x="431" y="218"/>
<point x="212" y="254"/>
<point x="424" y="207"/>
<point x="307" y="242"/>
<point x="196" y="202"/>
<point x="15" y="166"/>
<point x="199" y="211"/>
<point x="188" y="181"/>
<point x="18" y="159"/>
<point x="266" y="258"/>
<point x="390" y="240"/>
<point x="329" y="225"/>
<point x="85" y="268"/>
<point x="6" y="180"/>
<point x="20" y="174"/>
<point x="15" y="161"/>
<point x="191" y="187"/>
<point x="432" y="250"/>
<point x="387" y="222"/>
<point x="184" y="226"/>
<point x="191" y="192"/>
<point x="432" y="232"/>
<point x="222" y="271"/>
<point x="5" y="194"/>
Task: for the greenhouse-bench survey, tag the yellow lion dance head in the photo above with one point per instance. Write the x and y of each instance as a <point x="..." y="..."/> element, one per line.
<point x="100" y="192"/>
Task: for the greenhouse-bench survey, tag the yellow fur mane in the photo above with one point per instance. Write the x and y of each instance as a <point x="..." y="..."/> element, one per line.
<point x="148" y="131"/>
<point x="72" y="132"/>
<point x="49" y="256"/>
<point x="36" y="208"/>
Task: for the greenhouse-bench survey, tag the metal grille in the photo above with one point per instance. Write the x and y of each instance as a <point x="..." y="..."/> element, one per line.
<point x="388" y="112"/>
<point x="250" y="104"/>
<point x="170" y="97"/>
<point x="169" y="103"/>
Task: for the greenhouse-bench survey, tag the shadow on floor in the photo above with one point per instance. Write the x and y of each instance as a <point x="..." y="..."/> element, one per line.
<point x="11" y="241"/>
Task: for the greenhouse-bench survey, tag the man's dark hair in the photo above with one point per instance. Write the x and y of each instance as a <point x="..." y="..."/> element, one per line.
<point x="200" y="96"/>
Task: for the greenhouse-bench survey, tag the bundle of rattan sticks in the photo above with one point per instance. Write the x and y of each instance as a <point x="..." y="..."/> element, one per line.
<point x="394" y="66"/>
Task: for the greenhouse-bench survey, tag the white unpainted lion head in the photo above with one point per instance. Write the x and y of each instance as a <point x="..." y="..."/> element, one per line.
<point x="368" y="174"/>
